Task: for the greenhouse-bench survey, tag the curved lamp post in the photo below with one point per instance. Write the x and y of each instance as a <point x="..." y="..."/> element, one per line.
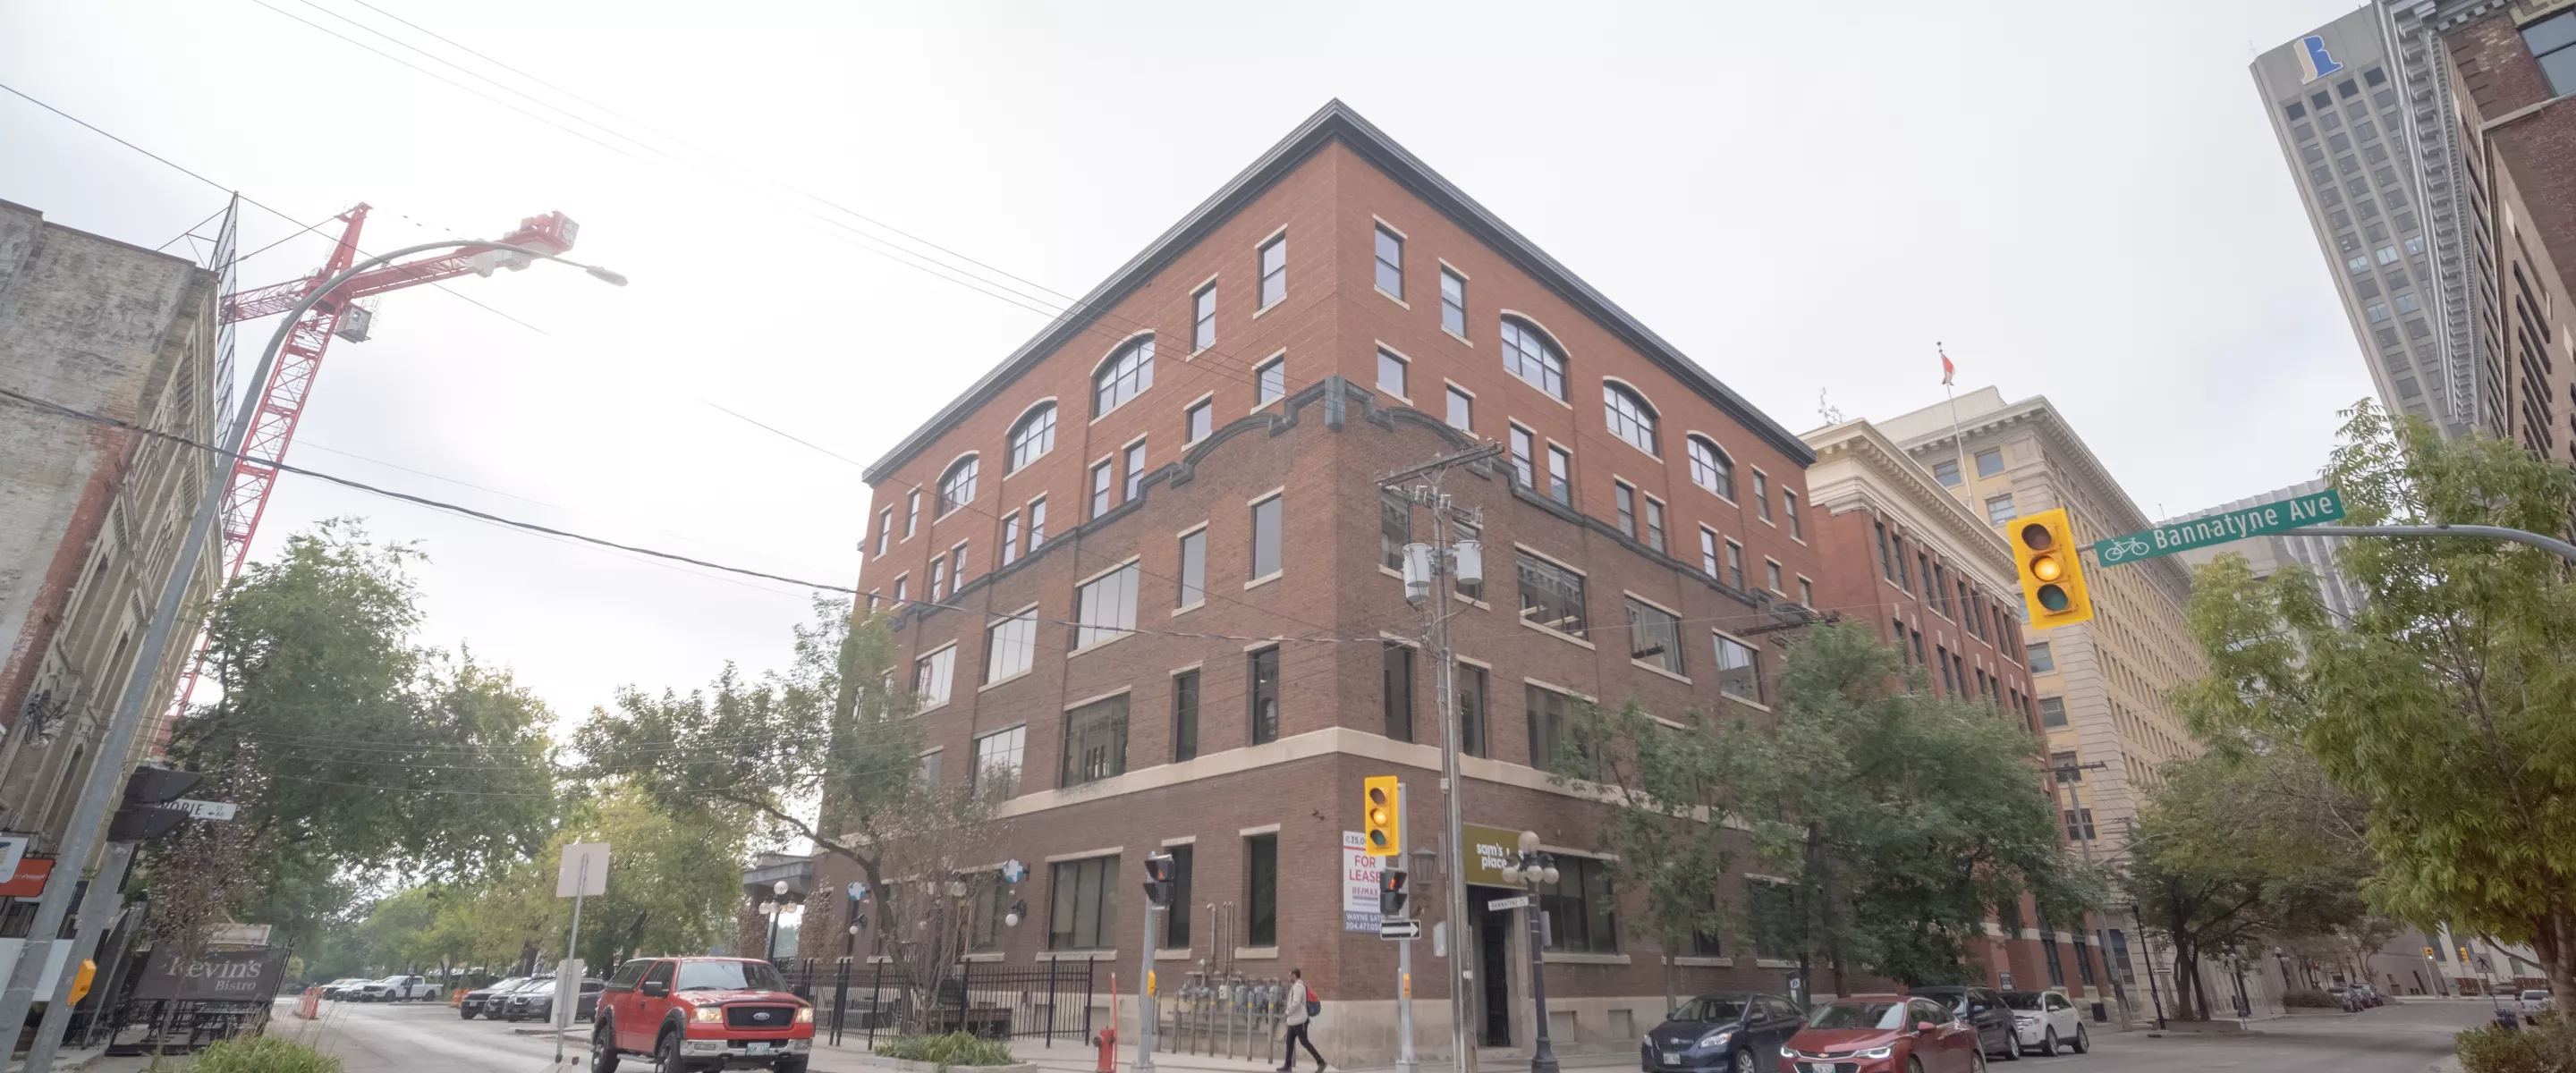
<point x="106" y="772"/>
<point x="1535" y="868"/>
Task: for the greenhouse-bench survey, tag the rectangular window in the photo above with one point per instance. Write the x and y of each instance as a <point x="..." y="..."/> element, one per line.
<point x="2079" y="824"/>
<point x="1394" y="530"/>
<point x="2083" y="961"/>
<point x="1969" y="607"/>
<point x="1999" y="509"/>
<point x="1626" y="501"/>
<point x="1261" y="890"/>
<point x="1654" y="636"/>
<point x="1739" y="669"/>
<point x="1789" y="509"/>
<point x="997" y="761"/>
<point x="1654" y="524"/>
<point x="1806" y="593"/>
<point x="1560" y="475"/>
<point x="1918" y="646"/>
<point x="1771" y="914"/>
<point x="1735" y="564"/>
<point x="1176" y="924"/>
<point x="1263" y="694"/>
<point x="938" y="579"/>
<point x="1904" y="572"/>
<point x="1546" y="726"/>
<point x="1135" y="469"/>
<point x="1762" y="495"/>
<point x="1990" y="461"/>
<point x="1524" y="461"/>
<point x="2048" y="952"/>
<point x="1037" y="522"/>
<point x="1269" y="382"/>
<point x="1103" y="478"/>
<point x="1886" y="562"/>
<point x="885" y="529"/>
<point x="1946" y="471"/>
<point x="1465" y="533"/>
<point x="1470" y="698"/>
<point x="1390" y="375"/>
<point x="1084" y="915"/>
<point x="1582" y="914"/>
<point x="912" y="514"/>
<point x="1900" y="641"/>
<point x="1551" y="595"/>
<point x="1453" y="303"/>
<point x="1274" y="271"/>
<point x="1194" y="567"/>
<point x="1941" y="655"/>
<point x="1010" y="646"/>
<point x="2042" y="658"/>
<point x="928" y="769"/>
<point x="1185" y="716"/>
<point x="2115" y="952"/>
<point x="1095" y="741"/>
<point x="1390" y="263"/>
<point x="1771" y="577"/>
<point x="899" y="584"/>
<point x="1708" y="552"/>
<point x="1398" y="679"/>
<point x="1203" y="318"/>
<point x="1010" y="538"/>
<point x="1265" y="537"/>
<point x="932" y="675"/>
<point x="1105" y="607"/>
<point x="1462" y="409"/>
<point x="1201" y="419"/>
<point x="2052" y="711"/>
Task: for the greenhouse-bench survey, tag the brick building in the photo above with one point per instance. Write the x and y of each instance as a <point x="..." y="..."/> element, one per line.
<point x="1141" y="570"/>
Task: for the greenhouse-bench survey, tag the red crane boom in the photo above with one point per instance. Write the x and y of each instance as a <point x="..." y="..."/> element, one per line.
<point x="280" y="403"/>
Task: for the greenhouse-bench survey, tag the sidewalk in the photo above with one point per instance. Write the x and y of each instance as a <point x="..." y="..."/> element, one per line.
<point x="65" y="1061"/>
<point x="1080" y="1057"/>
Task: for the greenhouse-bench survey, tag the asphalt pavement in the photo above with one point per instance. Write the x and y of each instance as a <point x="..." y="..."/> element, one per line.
<point x="2410" y="1036"/>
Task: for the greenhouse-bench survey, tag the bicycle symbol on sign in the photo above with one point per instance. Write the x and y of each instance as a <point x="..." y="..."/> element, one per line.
<point x="2115" y="551"/>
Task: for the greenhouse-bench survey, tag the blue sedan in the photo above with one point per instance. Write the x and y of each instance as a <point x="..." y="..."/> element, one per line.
<point x="1727" y="1032"/>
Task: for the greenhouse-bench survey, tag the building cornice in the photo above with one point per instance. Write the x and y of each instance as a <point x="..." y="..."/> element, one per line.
<point x="1882" y="476"/>
<point x="1338" y="123"/>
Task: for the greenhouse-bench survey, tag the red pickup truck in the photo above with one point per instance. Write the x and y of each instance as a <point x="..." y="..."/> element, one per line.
<point x="700" y="1013"/>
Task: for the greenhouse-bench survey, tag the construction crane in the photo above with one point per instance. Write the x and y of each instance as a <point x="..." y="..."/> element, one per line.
<point x="281" y="401"/>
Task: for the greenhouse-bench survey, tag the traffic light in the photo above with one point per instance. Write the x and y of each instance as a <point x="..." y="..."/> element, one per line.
<point x="1158" y="880"/>
<point x="2428" y="953"/>
<point x="1391" y="895"/>
<point x="1380" y="820"/>
<point x="142" y="819"/>
<point x="2052" y="582"/>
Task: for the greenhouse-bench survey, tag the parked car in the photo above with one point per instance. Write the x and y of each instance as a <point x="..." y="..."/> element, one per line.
<point x="342" y="988"/>
<point x="1732" y="1031"/>
<point x="1884" y="1034"/>
<point x="478" y="1000"/>
<point x="538" y="1003"/>
<point x="1982" y="1007"/>
<point x="2047" y="1020"/>
<point x="397" y="989"/>
<point x="695" y="1013"/>
<point x="2534" y="1000"/>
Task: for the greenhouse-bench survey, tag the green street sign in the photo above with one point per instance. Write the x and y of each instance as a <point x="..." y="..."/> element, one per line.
<point x="2254" y="521"/>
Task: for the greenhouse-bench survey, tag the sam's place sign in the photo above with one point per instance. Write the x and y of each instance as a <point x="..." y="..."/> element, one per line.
<point x="214" y="976"/>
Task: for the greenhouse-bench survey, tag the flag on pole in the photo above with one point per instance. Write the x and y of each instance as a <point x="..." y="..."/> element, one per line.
<point x="1947" y="369"/>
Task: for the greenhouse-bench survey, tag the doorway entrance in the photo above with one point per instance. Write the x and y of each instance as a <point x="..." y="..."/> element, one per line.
<point x="1493" y="964"/>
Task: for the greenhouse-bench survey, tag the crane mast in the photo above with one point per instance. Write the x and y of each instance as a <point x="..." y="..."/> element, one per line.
<point x="279" y="403"/>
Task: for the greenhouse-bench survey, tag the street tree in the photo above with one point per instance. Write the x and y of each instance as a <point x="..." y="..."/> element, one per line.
<point x="825" y="750"/>
<point x="1667" y="783"/>
<point x="376" y="757"/>
<point x="2447" y="703"/>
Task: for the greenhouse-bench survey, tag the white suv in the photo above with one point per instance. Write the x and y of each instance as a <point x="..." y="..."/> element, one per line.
<point x="2046" y="1021"/>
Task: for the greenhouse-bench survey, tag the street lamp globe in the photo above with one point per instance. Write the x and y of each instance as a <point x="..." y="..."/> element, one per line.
<point x="769" y="909"/>
<point x="1547" y="875"/>
<point x="780" y="887"/>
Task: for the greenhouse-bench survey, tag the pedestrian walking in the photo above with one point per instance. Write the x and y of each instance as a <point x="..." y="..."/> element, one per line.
<point x="1302" y="1006"/>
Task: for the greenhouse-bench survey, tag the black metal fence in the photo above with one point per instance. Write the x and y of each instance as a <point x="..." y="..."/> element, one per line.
<point x="1049" y="1002"/>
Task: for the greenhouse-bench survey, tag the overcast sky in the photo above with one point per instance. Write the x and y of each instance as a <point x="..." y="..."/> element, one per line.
<point x="2079" y="200"/>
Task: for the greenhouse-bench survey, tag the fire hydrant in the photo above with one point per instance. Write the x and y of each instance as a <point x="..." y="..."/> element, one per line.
<point x="1108" y="1051"/>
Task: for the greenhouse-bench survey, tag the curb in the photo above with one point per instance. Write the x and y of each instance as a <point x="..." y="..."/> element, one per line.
<point x="908" y="1066"/>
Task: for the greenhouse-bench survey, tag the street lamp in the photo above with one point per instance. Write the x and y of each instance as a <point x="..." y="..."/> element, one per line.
<point x="106" y="772"/>
<point x="773" y="907"/>
<point x="1534" y="868"/>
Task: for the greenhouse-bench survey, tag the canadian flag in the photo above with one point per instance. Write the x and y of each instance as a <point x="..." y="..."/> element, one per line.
<point x="1947" y="370"/>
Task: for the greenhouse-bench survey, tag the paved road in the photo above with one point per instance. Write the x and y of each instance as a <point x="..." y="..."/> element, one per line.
<point x="2404" y="1037"/>
<point x="421" y="1038"/>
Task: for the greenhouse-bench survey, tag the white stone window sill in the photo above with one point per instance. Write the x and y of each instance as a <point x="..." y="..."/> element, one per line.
<point x="1002" y="681"/>
<point x="1077" y="955"/>
<point x="1774" y="963"/>
<point x="1559" y="958"/>
<point x="994" y="955"/>
<point x="1256" y="953"/>
<point x="1643" y="665"/>
<point x="1558" y="634"/>
<point x="1264" y="579"/>
<point x="1705" y="963"/>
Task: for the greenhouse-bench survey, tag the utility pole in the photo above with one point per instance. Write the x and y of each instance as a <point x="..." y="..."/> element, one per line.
<point x="1435" y="562"/>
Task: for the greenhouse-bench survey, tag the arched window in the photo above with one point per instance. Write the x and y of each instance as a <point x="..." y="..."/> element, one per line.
<point x="1033" y="437"/>
<point x="957" y="486"/>
<point x="1124" y="376"/>
<point x="1630" y="418"/>
<point x="1711" y="469"/>
<point x="1528" y="354"/>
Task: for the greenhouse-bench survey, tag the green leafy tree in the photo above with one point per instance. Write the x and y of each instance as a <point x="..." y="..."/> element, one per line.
<point x="824" y="751"/>
<point x="2447" y="704"/>
<point x="375" y="757"/>
<point x="1901" y="821"/>
<point x="1667" y="783"/>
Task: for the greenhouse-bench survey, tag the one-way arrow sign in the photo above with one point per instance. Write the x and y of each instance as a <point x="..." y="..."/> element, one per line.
<point x="1400" y="929"/>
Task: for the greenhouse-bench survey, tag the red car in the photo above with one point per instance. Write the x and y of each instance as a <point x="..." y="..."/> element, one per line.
<point x="1883" y="1034"/>
<point x="701" y="1014"/>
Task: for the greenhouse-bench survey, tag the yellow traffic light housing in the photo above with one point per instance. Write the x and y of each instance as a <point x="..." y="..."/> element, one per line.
<point x="2052" y="580"/>
<point x="1381" y="821"/>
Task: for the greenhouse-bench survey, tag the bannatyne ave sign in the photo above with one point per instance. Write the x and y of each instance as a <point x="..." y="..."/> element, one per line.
<point x="2254" y="521"/>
